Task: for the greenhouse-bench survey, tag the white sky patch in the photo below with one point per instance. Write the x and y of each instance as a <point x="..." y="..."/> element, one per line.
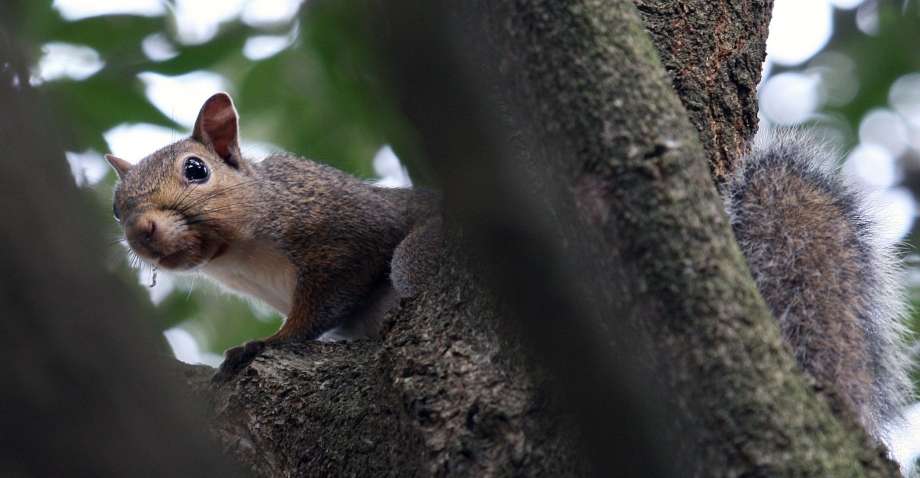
<point x="78" y="9"/>
<point x="904" y="97"/>
<point x="180" y="97"/>
<point x="838" y="74"/>
<point x="872" y="165"/>
<point x="798" y="30"/>
<point x="158" y="48"/>
<point x="270" y="12"/>
<point x="257" y="151"/>
<point x="390" y="170"/>
<point x="904" y="442"/>
<point x="65" y="60"/>
<point x="886" y="129"/>
<point x="132" y="142"/>
<point x="88" y="167"/>
<point x="846" y="4"/>
<point x="266" y="46"/>
<point x="895" y="210"/>
<point x="867" y="18"/>
<point x="790" y="98"/>
<point x="765" y="69"/>
<point x="197" y="21"/>
<point x="186" y="349"/>
<point x="912" y="272"/>
<point x="165" y="284"/>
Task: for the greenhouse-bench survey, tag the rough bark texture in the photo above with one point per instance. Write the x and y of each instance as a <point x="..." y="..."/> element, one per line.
<point x="440" y="395"/>
<point x="713" y="52"/>
<point x="572" y="98"/>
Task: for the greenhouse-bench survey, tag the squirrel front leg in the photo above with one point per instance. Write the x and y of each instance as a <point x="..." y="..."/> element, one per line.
<point x="306" y="319"/>
<point x="304" y="322"/>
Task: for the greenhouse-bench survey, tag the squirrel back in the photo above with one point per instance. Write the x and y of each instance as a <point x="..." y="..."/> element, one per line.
<point x="816" y="255"/>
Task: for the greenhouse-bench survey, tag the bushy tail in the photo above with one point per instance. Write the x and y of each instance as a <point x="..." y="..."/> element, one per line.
<point x="818" y="260"/>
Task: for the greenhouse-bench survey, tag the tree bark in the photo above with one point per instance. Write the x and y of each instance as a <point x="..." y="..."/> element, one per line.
<point x="439" y="395"/>
<point x="573" y="169"/>
<point x="714" y="53"/>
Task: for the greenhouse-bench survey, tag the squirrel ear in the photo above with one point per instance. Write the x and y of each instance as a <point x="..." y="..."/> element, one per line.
<point x="218" y="127"/>
<point x="120" y="166"/>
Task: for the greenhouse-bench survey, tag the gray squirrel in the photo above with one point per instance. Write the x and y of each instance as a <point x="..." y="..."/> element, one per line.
<point x="325" y="248"/>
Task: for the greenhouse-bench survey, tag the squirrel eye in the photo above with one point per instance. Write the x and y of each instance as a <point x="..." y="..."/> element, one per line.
<point x="195" y="170"/>
<point x="115" y="212"/>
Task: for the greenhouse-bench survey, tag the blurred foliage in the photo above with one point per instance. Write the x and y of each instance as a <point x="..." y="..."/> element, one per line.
<point x="318" y="98"/>
<point x="880" y="59"/>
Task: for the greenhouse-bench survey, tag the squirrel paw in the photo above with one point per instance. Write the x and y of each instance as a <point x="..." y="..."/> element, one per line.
<point x="236" y="359"/>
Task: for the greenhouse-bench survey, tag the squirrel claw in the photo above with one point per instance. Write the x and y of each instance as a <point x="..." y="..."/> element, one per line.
<point x="236" y="359"/>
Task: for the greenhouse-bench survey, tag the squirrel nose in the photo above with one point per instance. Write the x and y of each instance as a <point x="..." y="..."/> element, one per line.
<point x="151" y="230"/>
<point x="143" y="232"/>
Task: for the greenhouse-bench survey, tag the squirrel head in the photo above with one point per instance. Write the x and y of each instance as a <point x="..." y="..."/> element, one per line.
<point x="181" y="206"/>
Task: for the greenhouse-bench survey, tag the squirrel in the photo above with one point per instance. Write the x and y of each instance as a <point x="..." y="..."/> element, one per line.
<point x="318" y="245"/>
<point x="325" y="248"/>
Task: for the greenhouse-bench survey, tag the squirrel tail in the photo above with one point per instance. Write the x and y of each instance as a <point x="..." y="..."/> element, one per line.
<point x="828" y="277"/>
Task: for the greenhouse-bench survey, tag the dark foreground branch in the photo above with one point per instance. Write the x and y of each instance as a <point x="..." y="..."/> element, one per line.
<point x="83" y="386"/>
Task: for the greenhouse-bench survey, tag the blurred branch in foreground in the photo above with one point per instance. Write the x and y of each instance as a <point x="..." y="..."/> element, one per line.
<point x="84" y="389"/>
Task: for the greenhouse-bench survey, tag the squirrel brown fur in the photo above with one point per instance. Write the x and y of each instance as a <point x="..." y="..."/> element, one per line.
<point x="309" y="240"/>
<point x="814" y="248"/>
<point x="326" y="249"/>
